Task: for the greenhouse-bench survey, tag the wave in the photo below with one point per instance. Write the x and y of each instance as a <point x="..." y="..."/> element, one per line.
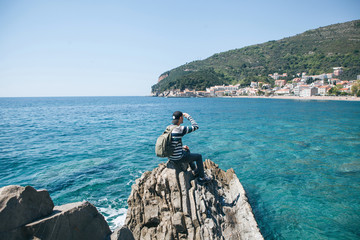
<point x="114" y="217"/>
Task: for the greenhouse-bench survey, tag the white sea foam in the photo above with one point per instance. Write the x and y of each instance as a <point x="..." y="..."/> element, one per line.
<point x="115" y="217"/>
<point x="353" y="167"/>
<point x="119" y="221"/>
<point x="129" y="182"/>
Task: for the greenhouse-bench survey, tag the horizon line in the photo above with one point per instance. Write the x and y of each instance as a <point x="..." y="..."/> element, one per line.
<point x="74" y="96"/>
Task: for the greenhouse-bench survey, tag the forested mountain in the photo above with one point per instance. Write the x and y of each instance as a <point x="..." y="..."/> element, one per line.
<point x="314" y="52"/>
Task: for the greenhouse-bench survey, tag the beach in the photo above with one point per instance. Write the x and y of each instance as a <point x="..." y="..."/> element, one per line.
<point x="320" y="98"/>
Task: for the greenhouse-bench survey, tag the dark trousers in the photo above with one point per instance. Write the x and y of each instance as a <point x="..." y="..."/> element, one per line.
<point x="195" y="162"/>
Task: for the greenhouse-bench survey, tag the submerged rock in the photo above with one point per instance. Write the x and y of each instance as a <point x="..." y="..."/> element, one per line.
<point x="169" y="203"/>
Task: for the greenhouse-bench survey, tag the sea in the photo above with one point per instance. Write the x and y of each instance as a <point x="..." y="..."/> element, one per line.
<point x="298" y="160"/>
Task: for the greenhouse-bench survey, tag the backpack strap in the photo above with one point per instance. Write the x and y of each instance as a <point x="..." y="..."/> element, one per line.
<point x="172" y="128"/>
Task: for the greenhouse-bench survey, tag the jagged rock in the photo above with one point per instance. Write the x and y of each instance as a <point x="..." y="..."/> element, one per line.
<point x="29" y="214"/>
<point x="21" y="205"/>
<point x="169" y="203"/>
<point x="78" y="221"/>
<point x="122" y="233"/>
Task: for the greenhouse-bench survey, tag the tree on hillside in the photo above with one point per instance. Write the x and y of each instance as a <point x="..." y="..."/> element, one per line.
<point x="335" y="90"/>
<point x="355" y="89"/>
<point x="310" y="80"/>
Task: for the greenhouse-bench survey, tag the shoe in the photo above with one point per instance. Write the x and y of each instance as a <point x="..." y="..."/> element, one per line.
<point x="204" y="179"/>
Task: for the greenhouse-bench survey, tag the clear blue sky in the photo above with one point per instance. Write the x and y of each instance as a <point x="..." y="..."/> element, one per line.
<point x="119" y="48"/>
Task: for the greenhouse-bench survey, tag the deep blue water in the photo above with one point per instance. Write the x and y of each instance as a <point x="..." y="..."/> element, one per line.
<point x="299" y="161"/>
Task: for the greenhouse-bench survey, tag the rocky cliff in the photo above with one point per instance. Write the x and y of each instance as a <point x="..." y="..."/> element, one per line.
<point x="163" y="76"/>
<point x="169" y="203"/>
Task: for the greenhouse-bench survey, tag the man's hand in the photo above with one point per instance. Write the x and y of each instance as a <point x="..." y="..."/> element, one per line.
<point x="186" y="115"/>
<point x="186" y="148"/>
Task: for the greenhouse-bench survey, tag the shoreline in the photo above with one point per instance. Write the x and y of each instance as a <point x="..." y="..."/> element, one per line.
<point x="318" y="98"/>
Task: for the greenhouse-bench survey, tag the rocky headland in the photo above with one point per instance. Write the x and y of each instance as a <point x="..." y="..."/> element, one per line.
<point x="166" y="203"/>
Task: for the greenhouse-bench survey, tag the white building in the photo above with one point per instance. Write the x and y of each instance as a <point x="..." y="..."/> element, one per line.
<point x="282" y="91"/>
<point x="299" y="88"/>
<point x="280" y="83"/>
<point x="266" y="86"/>
<point x="232" y="88"/>
<point x="323" y="90"/>
<point x="308" y="92"/>
<point x="219" y="88"/>
<point x="289" y="86"/>
<point x="252" y="91"/>
<point x="219" y="93"/>
<point x="329" y="75"/>
<point x="337" y="71"/>
<point x="253" y="84"/>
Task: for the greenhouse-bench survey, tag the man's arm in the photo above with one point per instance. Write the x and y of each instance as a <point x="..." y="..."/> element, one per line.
<point x="194" y="125"/>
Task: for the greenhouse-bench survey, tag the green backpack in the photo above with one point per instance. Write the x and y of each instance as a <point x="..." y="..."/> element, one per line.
<point x="163" y="146"/>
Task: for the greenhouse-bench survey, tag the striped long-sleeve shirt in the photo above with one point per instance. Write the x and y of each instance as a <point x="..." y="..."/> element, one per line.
<point x="176" y="136"/>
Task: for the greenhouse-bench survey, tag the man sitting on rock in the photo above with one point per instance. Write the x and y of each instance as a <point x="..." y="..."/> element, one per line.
<point x="182" y="153"/>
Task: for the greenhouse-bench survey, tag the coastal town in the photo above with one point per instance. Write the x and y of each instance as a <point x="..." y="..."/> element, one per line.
<point x="302" y="85"/>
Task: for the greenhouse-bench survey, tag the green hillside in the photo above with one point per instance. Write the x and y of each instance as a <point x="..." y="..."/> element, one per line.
<point x="315" y="52"/>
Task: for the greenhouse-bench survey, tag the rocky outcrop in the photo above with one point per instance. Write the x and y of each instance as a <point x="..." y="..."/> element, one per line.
<point x="166" y="203"/>
<point x="169" y="203"/>
<point x="122" y="233"/>
<point x="21" y="205"/>
<point x="79" y="220"/>
<point x="29" y="214"/>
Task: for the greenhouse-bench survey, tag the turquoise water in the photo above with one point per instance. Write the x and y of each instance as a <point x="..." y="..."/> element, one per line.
<point x="299" y="161"/>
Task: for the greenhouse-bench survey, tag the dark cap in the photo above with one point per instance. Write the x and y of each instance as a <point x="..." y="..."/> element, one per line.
<point x="176" y="116"/>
